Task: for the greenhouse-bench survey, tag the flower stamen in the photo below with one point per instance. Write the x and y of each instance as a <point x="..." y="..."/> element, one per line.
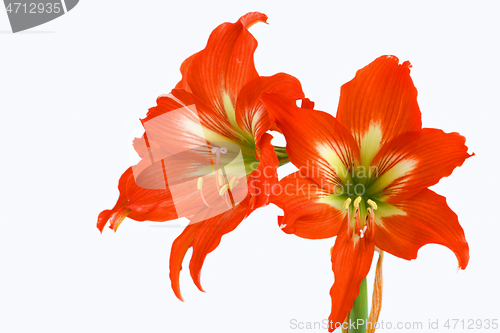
<point x="372" y="204"/>
<point x="347" y="203"/>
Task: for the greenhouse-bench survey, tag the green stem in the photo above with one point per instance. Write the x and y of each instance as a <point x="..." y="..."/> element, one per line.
<point x="282" y="155"/>
<point x="360" y="310"/>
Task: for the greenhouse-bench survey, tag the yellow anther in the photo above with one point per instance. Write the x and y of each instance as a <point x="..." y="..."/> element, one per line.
<point x="223" y="189"/>
<point x="221" y="180"/>
<point x="372" y="204"/>
<point x="356" y="202"/>
<point x="347" y="203"/>
<point x="232" y="183"/>
<point x="200" y="183"/>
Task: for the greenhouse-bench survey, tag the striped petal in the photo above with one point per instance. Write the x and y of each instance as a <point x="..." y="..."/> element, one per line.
<point x="379" y="104"/>
<point x="251" y="114"/>
<point x="414" y="161"/>
<point x="403" y="228"/>
<point x="309" y="211"/>
<point x="320" y="146"/>
<point x="218" y="73"/>
<point x="351" y="261"/>
<point x="203" y="237"/>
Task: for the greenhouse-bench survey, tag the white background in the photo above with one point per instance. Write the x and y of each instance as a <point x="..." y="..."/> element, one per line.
<point x="71" y="95"/>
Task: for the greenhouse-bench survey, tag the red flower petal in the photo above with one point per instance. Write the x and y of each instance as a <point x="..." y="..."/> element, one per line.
<point x="251" y="113"/>
<point x="317" y="143"/>
<point x="414" y="161"/>
<point x="263" y="179"/>
<point x="178" y="130"/>
<point x="177" y="253"/>
<point x="306" y="212"/>
<point x="423" y="219"/>
<point x="379" y="104"/>
<point x="250" y="19"/>
<point x="138" y="204"/>
<point x="184" y="70"/>
<point x="203" y="237"/>
<point x="218" y="72"/>
<point x="351" y="261"/>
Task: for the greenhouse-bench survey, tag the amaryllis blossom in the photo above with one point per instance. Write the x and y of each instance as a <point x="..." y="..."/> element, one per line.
<point x="212" y="116"/>
<point x="364" y="176"/>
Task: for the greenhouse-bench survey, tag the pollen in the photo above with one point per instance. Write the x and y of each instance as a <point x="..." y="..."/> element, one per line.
<point x="223" y="189"/>
<point x="221" y="180"/>
<point x="372" y="204"/>
<point x="356" y="202"/>
<point x="199" y="185"/>
<point x="347" y="203"/>
<point x="232" y="183"/>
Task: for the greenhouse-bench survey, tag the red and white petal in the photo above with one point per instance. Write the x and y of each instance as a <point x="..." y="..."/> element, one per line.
<point x="309" y="211"/>
<point x="262" y="180"/>
<point x="351" y="261"/>
<point x="251" y="114"/>
<point x="180" y="121"/>
<point x="403" y="228"/>
<point x="379" y="104"/>
<point x="414" y="161"/>
<point x="320" y="146"/>
<point x="218" y="73"/>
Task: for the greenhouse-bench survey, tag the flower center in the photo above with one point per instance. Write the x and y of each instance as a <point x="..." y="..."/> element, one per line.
<point x="223" y="186"/>
<point x="361" y="217"/>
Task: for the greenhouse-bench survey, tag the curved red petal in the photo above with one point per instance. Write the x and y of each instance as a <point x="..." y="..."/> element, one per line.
<point x="184" y="70"/>
<point x="320" y="146"/>
<point x="414" y="161"/>
<point x="247" y="20"/>
<point x="307" y="104"/>
<point x="306" y="213"/>
<point x="138" y="203"/>
<point x="250" y="19"/>
<point x="351" y="261"/>
<point x="379" y="104"/>
<point x="251" y="114"/>
<point x="177" y="254"/>
<point x="218" y="72"/>
<point x="422" y="219"/>
<point x="208" y="236"/>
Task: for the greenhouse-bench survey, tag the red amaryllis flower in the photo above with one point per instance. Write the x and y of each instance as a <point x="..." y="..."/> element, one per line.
<point x="364" y="176"/>
<point x="206" y="154"/>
